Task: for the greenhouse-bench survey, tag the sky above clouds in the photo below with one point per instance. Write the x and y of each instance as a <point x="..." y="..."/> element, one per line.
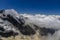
<point x="32" y="6"/>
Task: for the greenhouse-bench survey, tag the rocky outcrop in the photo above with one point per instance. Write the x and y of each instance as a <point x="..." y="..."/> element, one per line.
<point x="46" y="31"/>
<point x="17" y="23"/>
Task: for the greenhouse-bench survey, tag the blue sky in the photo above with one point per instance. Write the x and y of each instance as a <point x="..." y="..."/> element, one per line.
<point x="32" y="6"/>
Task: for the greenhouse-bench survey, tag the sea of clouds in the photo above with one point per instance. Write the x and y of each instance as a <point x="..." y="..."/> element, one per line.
<point x="47" y="21"/>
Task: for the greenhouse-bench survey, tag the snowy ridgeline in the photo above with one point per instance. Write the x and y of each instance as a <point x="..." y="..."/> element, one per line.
<point x="12" y="23"/>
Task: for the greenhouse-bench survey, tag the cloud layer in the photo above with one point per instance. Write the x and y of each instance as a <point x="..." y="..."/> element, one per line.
<point x="41" y="21"/>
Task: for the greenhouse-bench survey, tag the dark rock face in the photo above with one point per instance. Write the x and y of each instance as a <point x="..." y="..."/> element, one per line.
<point x="25" y="30"/>
<point x="45" y="31"/>
<point x="1" y="29"/>
<point x="5" y="33"/>
<point x="8" y="34"/>
<point x="1" y="11"/>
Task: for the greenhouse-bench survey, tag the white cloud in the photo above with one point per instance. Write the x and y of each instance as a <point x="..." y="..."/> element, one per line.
<point x="47" y="21"/>
<point x="50" y="21"/>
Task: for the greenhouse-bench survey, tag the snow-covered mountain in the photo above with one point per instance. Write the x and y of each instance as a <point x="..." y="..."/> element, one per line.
<point x="13" y="23"/>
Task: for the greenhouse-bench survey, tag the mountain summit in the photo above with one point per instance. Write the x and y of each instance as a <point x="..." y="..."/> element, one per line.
<point x="11" y="24"/>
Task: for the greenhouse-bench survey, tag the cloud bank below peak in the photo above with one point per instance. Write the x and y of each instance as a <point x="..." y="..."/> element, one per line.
<point x="48" y="21"/>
